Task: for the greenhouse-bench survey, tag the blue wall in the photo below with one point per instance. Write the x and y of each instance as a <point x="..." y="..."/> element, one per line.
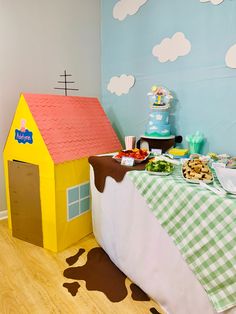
<point x="203" y="86"/>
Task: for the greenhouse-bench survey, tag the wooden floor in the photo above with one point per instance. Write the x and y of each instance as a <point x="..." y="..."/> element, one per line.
<point x="31" y="281"/>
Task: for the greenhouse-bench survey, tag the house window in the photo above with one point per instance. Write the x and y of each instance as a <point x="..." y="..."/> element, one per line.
<point x="78" y="200"/>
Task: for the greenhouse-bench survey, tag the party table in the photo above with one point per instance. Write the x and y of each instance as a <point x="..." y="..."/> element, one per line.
<point x="176" y="240"/>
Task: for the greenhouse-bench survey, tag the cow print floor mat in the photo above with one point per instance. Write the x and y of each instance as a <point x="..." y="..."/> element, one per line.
<point x="101" y="274"/>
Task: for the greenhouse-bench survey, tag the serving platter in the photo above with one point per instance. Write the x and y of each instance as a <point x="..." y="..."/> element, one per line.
<point x="196" y="168"/>
<point x="155" y="173"/>
<point x="136" y="161"/>
<point x="197" y="181"/>
<point x="129" y="155"/>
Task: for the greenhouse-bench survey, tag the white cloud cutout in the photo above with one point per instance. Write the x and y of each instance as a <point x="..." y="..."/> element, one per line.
<point x="215" y="2"/>
<point x="230" y="57"/>
<point x="159" y="117"/>
<point x="172" y="48"/>
<point x="126" y="7"/>
<point x="121" y="84"/>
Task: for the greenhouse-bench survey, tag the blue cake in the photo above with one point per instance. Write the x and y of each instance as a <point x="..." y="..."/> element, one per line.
<point x="158" y="119"/>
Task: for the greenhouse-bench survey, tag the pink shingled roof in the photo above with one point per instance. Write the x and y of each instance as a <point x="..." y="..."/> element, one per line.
<point x="72" y="127"/>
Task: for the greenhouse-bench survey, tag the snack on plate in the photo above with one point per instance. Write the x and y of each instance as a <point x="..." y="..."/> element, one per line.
<point x="213" y="156"/>
<point x="197" y="169"/>
<point x="219" y="158"/>
<point x="138" y="154"/>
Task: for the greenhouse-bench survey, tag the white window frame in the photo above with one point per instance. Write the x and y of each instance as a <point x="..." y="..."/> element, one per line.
<point x="77" y="201"/>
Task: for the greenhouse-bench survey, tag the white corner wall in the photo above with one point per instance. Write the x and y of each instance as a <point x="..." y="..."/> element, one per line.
<point x="39" y="40"/>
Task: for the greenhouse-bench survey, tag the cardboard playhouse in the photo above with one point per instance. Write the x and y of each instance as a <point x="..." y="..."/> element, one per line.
<point x="46" y="167"/>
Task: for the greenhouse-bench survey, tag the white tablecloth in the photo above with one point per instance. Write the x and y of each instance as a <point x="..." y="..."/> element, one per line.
<point x="133" y="238"/>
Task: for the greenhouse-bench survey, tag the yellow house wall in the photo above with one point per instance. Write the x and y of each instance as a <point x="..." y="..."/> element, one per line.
<point x="67" y="175"/>
<point x="37" y="154"/>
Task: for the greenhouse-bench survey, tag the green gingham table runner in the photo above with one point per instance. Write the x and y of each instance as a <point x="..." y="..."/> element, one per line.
<point x="203" y="227"/>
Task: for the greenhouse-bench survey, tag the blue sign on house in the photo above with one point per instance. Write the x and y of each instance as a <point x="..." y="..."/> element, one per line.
<point x="24" y="136"/>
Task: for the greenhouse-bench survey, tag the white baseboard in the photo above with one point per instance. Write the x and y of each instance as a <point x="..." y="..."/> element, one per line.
<point x="3" y="214"/>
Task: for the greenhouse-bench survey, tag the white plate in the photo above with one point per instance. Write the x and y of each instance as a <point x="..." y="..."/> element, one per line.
<point x="227" y="178"/>
<point x="158" y="173"/>
<point x="196" y="181"/>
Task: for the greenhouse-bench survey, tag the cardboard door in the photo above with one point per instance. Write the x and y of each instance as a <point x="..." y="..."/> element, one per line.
<point x="25" y="202"/>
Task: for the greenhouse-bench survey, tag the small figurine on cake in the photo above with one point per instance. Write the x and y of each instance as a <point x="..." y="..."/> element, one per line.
<point x="158" y="120"/>
<point x="160" y="96"/>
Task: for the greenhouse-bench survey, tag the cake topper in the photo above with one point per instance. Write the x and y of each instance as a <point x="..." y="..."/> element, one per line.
<point x="160" y="97"/>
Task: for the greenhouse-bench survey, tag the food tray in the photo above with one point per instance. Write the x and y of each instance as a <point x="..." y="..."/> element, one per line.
<point x="198" y="168"/>
<point x="136" y="161"/>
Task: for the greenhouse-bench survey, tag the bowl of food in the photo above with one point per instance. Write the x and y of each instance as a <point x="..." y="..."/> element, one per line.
<point x="196" y="170"/>
<point x="139" y="155"/>
<point x="162" y="166"/>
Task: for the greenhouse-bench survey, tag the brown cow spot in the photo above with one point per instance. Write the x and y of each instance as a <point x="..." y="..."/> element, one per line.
<point x="154" y="311"/>
<point x="138" y="294"/>
<point x="72" y="287"/>
<point x="73" y="259"/>
<point x="101" y="274"/>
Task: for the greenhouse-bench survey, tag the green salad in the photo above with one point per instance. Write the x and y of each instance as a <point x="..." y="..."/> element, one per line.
<point x="159" y="166"/>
